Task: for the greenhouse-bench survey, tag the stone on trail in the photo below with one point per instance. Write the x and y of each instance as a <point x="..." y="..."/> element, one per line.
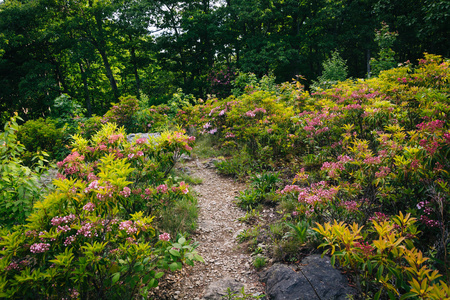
<point x="283" y="283"/>
<point x="218" y="289"/>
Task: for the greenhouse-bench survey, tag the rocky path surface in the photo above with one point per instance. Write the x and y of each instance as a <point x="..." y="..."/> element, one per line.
<point x="218" y="226"/>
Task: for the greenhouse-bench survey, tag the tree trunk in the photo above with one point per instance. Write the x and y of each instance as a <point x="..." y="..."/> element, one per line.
<point x="100" y="45"/>
<point x="135" y="70"/>
<point x="86" y="90"/>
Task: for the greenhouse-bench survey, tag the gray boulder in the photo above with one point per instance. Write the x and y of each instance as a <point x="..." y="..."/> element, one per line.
<point x="283" y="283"/>
<point x="148" y="136"/>
<point x="218" y="289"/>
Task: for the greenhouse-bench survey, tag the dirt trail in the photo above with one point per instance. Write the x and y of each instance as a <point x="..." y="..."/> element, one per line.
<point x="217" y="230"/>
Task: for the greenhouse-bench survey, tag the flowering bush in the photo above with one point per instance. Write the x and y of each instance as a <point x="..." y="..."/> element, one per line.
<point x="153" y="119"/>
<point x="255" y="122"/>
<point x="122" y="112"/>
<point x="94" y="235"/>
<point x="388" y="263"/>
<point x="380" y="146"/>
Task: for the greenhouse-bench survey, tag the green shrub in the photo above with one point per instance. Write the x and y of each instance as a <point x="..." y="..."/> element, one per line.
<point x="334" y="70"/>
<point x="19" y="188"/>
<point x="42" y="135"/>
<point x="153" y="119"/>
<point x="122" y="113"/>
<point x="259" y="262"/>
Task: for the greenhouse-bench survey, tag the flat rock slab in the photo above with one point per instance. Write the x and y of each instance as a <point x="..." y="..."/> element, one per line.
<point x="148" y="136"/>
<point x="218" y="289"/>
<point x="283" y="283"/>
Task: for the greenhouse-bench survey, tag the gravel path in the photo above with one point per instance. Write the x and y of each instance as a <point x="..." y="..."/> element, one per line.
<point x="217" y="230"/>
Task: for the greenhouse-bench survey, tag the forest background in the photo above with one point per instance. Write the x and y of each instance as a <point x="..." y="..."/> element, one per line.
<point x="96" y="51"/>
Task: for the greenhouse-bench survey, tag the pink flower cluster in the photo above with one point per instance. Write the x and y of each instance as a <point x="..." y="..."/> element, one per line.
<point x="184" y="188"/>
<point x="230" y="135"/>
<point x="89" y="207"/>
<point x="12" y="266"/>
<point x="87" y="230"/>
<point x="69" y="240"/>
<point x="447" y="137"/>
<point x="250" y="114"/>
<point x="364" y="247"/>
<point x="333" y="168"/>
<point x="64" y="228"/>
<point x="430" y="146"/>
<point x="126" y="192"/>
<point x="164" y="237"/>
<point x="384" y="171"/>
<point x="350" y="206"/>
<point x="141" y="141"/>
<point x="73" y="163"/>
<point x="289" y="189"/>
<point x="92" y="186"/>
<point x="114" y="137"/>
<point x="39" y="247"/>
<point x="128" y="226"/>
<point x="162" y="189"/>
<point x="379" y="216"/>
<point x="372" y="160"/>
<point x="429" y="222"/>
<point x="317" y="193"/>
<point x="352" y="106"/>
<point x="56" y="221"/>
<point x="73" y="294"/>
<point x="431" y="126"/>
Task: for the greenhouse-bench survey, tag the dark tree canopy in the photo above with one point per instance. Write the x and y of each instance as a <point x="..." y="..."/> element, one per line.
<point x="96" y="51"/>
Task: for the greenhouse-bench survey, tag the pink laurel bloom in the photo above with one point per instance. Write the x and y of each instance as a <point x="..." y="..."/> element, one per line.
<point x="250" y="114"/>
<point x="114" y="137"/>
<point x="139" y="153"/>
<point x="92" y="186"/>
<point x="89" y="207"/>
<point x="87" y="230"/>
<point x="384" y="171"/>
<point x="164" y="237"/>
<point x="56" y="221"/>
<point x="128" y="226"/>
<point x="126" y="192"/>
<point x="91" y="177"/>
<point x="39" y="247"/>
<point x="69" y="240"/>
<point x="141" y="141"/>
<point x="162" y="189"/>
<point x="351" y="206"/>
<point x="130" y="156"/>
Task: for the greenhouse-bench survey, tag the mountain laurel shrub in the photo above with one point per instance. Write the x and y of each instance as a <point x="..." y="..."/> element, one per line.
<point x="95" y="236"/>
<point x="364" y="148"/>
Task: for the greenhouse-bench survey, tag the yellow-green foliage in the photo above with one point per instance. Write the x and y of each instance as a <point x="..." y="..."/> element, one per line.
<point x="388" y="260"/>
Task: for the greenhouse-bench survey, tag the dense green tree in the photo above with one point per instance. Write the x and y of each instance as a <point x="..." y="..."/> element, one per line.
<point x="95" y="51"/>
